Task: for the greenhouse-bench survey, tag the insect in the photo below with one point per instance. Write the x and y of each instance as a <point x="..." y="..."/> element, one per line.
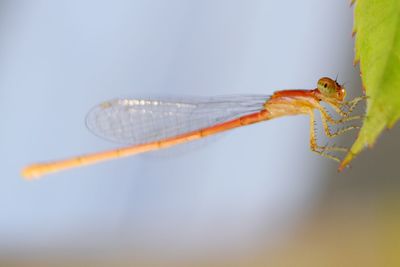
<point x="148" y="125"/>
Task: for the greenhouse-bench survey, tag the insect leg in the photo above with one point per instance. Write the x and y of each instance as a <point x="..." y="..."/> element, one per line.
<point x="321" y="150"/>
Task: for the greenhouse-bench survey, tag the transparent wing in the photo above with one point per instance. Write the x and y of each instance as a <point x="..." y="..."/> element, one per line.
<point x="138" y="121"/>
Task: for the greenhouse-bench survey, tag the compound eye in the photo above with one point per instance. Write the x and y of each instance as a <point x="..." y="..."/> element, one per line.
<point x="341" y="94"/>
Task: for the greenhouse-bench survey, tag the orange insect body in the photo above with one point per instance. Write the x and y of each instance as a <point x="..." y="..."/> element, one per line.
<point x="281" y="103"/>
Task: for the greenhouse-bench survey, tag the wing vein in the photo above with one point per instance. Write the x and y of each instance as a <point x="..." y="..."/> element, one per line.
<point x="139" y="121"/>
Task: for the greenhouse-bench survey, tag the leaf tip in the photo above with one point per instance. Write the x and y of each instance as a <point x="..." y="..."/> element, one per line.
<point x="345" y="162"/>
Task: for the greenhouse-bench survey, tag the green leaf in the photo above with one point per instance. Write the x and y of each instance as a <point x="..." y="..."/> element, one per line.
<point x="377" y="46"/>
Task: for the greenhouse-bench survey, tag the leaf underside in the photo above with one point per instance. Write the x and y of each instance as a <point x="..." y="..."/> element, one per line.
<point x="377" y="50"/>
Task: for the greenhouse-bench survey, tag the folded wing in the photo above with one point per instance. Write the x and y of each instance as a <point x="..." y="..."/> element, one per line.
<point x="139" y="121"/>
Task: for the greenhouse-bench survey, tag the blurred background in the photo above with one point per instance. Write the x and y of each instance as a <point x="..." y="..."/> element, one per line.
<point x="255" y="196"/>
